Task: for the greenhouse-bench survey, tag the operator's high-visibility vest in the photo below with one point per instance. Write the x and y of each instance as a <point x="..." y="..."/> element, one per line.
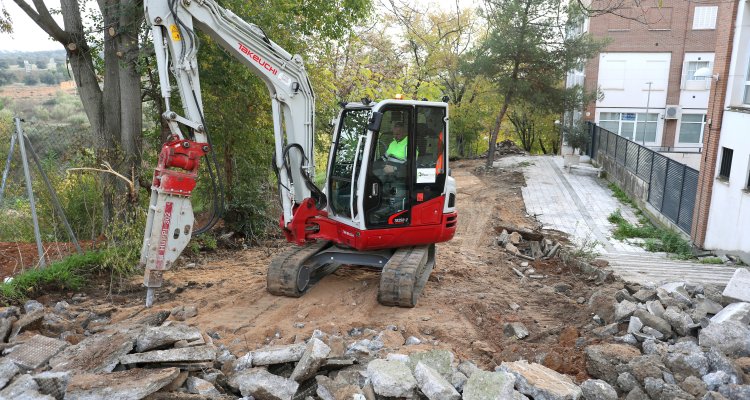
<point x="397" y="149"/>
<point x="440" y="162"/>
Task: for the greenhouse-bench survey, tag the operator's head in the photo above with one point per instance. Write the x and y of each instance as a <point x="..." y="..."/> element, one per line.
<point x="399" y="131"/>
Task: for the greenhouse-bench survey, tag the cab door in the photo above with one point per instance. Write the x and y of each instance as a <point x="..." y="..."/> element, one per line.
<point x="387" y="193"/>
<point x="346" y="162"/>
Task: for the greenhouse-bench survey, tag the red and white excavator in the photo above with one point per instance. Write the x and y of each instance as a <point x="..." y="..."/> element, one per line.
<point x="388" y="197"/>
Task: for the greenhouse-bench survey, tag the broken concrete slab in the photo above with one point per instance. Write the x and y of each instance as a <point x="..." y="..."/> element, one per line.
<point x="540" y="382"/>
<point x="36" y="351"/>
<point x="186" y="354"/>
<point x="197" y="385"/>
<point x="739" y="312"/>
<point x="95" y="354"/>
<point x="602" y="360"/>
<point x="31" y="321"/>
<point x="328" y="389"/>
<point x="515" y="329"/>
<point x="23" y="386"/>
<point x="738" y="288"/>
<point x="315" y="353"/>
<point x="680" y="321"/>
<point x="654" y="322"/>
<point x="278" y="354"/>
<point x="623" y="310"/>
<point x="158" y="336"/>
<point x="433" y="385"/>
<point x="635" y="324"/>
<point x="391" y="378"/>
<point x="263" y="385"/>
<point x="485" y="385"/>
<point x="655" y="308"/>
<point x="52" y="383"/>
<point x="439" y="360"/>
<point x="8" y="370"/>
<point x="729" y="337"/>
<point x="643" y="295"/>
<point x="598" y="389"/>
<point x="131" y="384"/>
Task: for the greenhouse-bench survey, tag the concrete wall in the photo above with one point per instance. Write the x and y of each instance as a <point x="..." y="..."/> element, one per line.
<point x="729" y="214"/>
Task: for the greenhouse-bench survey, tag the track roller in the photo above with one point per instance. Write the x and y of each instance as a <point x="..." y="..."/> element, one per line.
<point x="291" y="275"/>
<point x="405" y="275"/>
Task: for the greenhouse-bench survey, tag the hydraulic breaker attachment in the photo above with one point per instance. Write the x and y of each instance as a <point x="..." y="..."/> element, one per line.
<point x="169" y="224"/>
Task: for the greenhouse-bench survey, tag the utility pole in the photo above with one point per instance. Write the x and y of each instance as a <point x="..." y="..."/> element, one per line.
<point x="648" y="103"/>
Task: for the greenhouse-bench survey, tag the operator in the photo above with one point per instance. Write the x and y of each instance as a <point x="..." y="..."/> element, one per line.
<point x="397" y="148"/>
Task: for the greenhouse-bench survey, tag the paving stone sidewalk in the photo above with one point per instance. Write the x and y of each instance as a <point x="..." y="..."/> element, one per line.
<point x="578" y="203"/>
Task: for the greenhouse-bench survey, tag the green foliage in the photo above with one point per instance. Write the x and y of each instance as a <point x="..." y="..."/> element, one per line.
<point x="67" y="274"/>
<point x="578" y="136"/>
<point x="30" y="80"/>
<point x="41" y="64"/>
<point x="621" y="195"/>
<point x="657" y="239"/>
<point x="712" y="260"/>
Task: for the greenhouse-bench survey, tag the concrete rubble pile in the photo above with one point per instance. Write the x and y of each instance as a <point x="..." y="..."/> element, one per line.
<point x="508" y="146"/>
<point x="528" y="245"/>
<point x="71" y="353"/>
<point x="674" y="341"/>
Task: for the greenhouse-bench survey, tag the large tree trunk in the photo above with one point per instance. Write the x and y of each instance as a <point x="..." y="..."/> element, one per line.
<point x="495" y="132"/>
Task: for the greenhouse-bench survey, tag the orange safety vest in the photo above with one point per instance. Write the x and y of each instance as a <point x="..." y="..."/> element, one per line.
<point x="441" y="144"/>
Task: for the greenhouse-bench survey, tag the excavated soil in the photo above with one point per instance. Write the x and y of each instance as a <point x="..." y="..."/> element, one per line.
<point x="463" y="308"/>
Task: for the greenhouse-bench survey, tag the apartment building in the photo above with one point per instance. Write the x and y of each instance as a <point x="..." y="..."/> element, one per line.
<point x="722" y="214"/>
<point x="646" y="74"/>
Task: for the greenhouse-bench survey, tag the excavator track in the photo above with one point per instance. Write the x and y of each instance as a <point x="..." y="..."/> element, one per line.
<point x="405" y="275"/>
<point x="289" y="274"/>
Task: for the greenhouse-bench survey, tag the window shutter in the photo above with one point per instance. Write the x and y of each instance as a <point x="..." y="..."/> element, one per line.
<point x="683" y="83"/>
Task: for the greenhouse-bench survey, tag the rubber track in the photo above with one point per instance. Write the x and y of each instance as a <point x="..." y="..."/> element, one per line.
<point x="281" y="279"/>
<point x="401" y="281"/>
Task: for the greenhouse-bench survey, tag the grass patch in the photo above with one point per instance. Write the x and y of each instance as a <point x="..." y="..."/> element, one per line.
<point x="657" y="239"/>
<point x="712" y="260"/>
<point x="67" y="274"/>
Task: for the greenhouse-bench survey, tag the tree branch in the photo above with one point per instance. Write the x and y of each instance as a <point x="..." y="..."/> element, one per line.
<point x="44" y="20"/>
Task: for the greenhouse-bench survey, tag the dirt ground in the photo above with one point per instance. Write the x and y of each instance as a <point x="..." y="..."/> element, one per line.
<point x="463" y="308"/>
<point x="17" y="256"/>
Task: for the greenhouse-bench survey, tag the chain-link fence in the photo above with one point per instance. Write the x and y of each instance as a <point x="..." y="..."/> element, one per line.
<point x="672" y="186"/>
<point x="52" y="148"/>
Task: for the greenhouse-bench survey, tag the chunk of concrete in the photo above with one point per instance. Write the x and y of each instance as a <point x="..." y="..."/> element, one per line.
<point x="30" y="321"/>
<point x="624" y="309"/>
<point x="328" y="389"/>
<point x="635" y="324"/>
<point x="739" y="312"/>
<point x="603" y="360"/>
<point x="516" y="330"/>
<point x="655" y="308"/>
<point x="655" y="322"/>
<point x="198" y="353"/>
<point x="315" y="353"/>
<point x="680" y="321"/>
<point x="485" y="385"/>
<point x="263" y="385"/>
<point x="278" y="354"/>
<point x="391" y="378"/>
<point x="52" y="383"/>
<point x="468" y="368"/>
<point x="158" y="336"/>
<point x="197" y="385"/>
<point x="36" y="351"/>
<point x="8" y="370"/>
<point x="540" y="382"/>
<point x="687" y="358"/>
<point x="131" y="384"/>
<point x="21" y="386"/>
<point x="729" y="337"/>
<point x="439" y="360"/>
<point x="95" y="354"/>
<point x="738" y="287"/>
<point x="643" y="295"/>
<point x="597" y="389"/>
<point x="6" y="324"/>
<point x="433" y="385"/>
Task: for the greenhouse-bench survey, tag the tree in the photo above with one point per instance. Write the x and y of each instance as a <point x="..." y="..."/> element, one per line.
<point x="30" y="80"/>
<point x="3" y="65"/>
<point x="48" y="78"/>
<point x="526" y="55"/>
<point x="41" y="64"/>
<point x="114" y="109"/>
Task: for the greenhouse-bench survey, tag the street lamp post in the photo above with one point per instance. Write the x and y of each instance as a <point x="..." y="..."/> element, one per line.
<point x="648" y="103"/>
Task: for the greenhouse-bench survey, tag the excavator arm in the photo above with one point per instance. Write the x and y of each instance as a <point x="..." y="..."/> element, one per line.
<point x="170" y="220"/>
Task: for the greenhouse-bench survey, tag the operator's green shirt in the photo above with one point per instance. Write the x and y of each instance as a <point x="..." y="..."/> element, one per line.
<point x="397" y="148"/>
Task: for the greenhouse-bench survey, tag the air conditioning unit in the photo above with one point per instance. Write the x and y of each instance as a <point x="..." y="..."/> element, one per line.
<point x="672" y="112"/>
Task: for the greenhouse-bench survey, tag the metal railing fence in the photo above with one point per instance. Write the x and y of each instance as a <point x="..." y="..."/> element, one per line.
<point x="672" y="185"/>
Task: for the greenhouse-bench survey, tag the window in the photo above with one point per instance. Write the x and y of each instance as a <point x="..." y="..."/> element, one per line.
<point x="694" y="66"/>
<point x="691" y="128"/>
<point x="746" y="99"/>
<point x="705" y="17"/>
<point x="726" y="163"/>
<point x="632" y="126"/>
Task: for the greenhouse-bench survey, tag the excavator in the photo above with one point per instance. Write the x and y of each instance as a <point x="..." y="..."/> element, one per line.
<point x="388" y="196"/>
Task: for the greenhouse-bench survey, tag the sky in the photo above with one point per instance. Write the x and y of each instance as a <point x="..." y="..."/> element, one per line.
<point x="27" y="36"/>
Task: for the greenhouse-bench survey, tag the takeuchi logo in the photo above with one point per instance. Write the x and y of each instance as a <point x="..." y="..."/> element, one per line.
<point x="258" y="59"/>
